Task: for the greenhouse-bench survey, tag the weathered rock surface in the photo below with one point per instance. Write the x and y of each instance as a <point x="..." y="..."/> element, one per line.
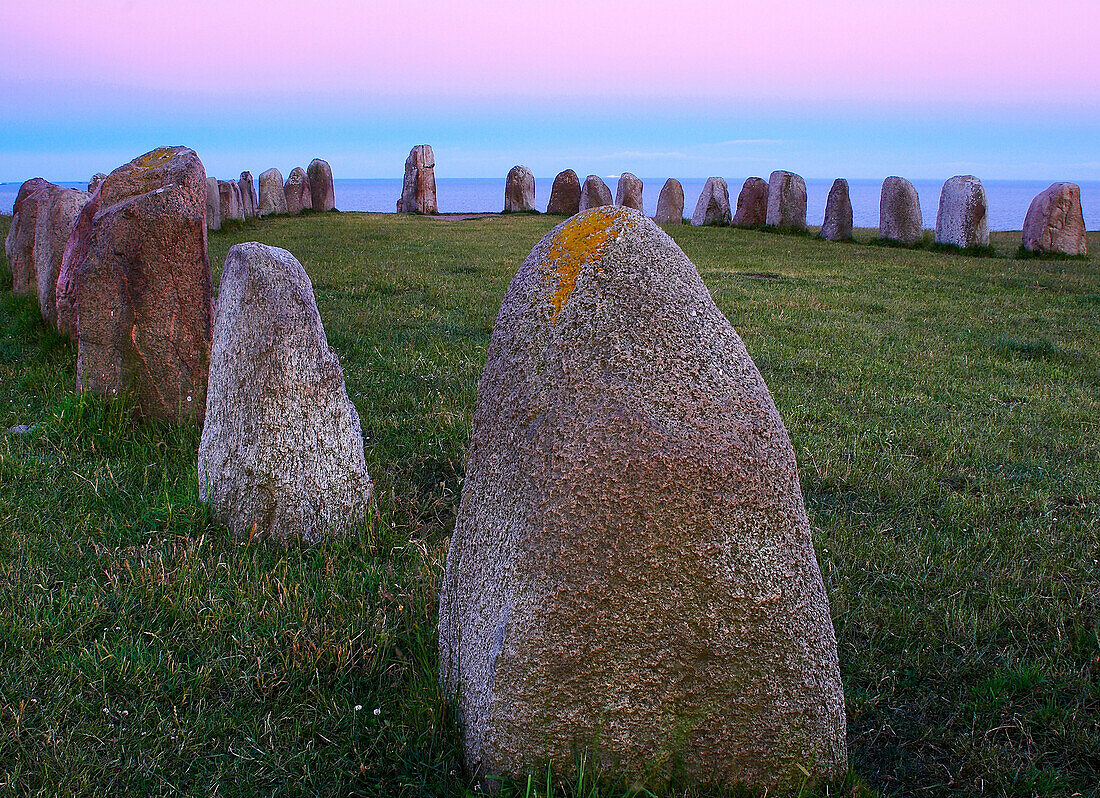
<point x="135" y="285"/>
<point x="96" y="182"/>
<point x="298" y="194"/>
<point x="594" y="193"/>
<point x="272" y="198"/>
<point x="631" y="570"/>
<point x="565" y="195"/>
<point x="899" y="214"/>
<point x="248" y="194"/>
<point x="752" y="204"/>
<point x="213" y="204"/>
<point x="55" y="225"/>
<point x="786" y="201"/>
<point x="628" y="191"/>
<point x="713" y="206"/>
<point x="321" y="188"/>
<point x="1055" y="222"/>
<point x="837" y="225"/>
<point x="229" y="197"/>
<point x="418" y="187"/>
<point x="963" y="216"/>
<point x="670" y="203"/>
<point x="281" y="454"/>
<point x="31" y="200"/>
<point x="519" y="190"/>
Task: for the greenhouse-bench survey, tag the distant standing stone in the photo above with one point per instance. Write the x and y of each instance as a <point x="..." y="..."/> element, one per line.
<point x="418" y="187"/>
<point x="628" y="192"/>
<point x="565" y="195"/>
<point x="96" y="182"/>
<point x="786" y="201"/>
<point x="713" y="206"/>
<point x="670" y="203"/>
<point x="248" y="194"/>
<point x="899" y="214"/>
<point x="1055" y="222"/>
<point x="752" y="204"/>
<point x="519" y="190"/>
<point x="321" y="187"/>
<point x="281" y="454"/>
<point x="31" y="200"/>
<point x="272" y="198"/>
<point x="838" y="213"/>
<point x="594" y="193"/>
<point x="298" y="195"/>
<point x="55" y="227"/>
<point x="229" y="196"/>
<point x="963" y="216"/>
<point x="213" y="204"/>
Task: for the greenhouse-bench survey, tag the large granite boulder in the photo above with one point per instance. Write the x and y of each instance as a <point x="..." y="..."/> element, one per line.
<point x="1055" y="222"/>
<point x="55" y="227"/>
<point x="298" y="195"/>
<point x="281" y="454"/>
<point x="565" y="195"/>
<point x="213" y="204"/>
<point x="963" y="216"/>
<point x="713" y="206"/>
<point x="899" y="214"/>
<point x="837" y="225"/>
<point x="418" y="187"/>
<point x="628" y="191"/>
<point x="594" y="193"/>
<point x="248" y="194"/>
<point x="321" y="188"/>
<point x="786" y="201"/>
<point x="670" y="203"/>
<point x="631" y="575"/>
<point x="229" y="197"/>
<point x="31" y="200"/>
<point x="519" y="190"/>
<point x="135" y="286"/>
<point x="752" y="204"/>
<point x="272" y="198"/>
<point x="96" y="182"/>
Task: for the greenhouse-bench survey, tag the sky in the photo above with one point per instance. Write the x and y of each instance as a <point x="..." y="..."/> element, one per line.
<point x="1005" y="89"/>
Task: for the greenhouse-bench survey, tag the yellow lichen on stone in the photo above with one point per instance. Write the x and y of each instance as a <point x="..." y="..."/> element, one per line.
<point x="157" y="157"/>
<point x="581" y="240"/>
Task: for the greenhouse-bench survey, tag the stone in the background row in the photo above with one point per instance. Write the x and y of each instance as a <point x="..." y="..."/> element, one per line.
<point x="752" y="204"/>
<point x="565" y="195"/>
<point x="519" y="190"/>
<point x="55" y="227"/>
<point x="281" y="454"/>
<point x="297" y="191"/>
<point x="713" y="206"/>
<point x="418" y="188"/>
<point x="899" y="213"/>
<point x="1055" y="222"/>
<point x="272" y="198"/>
<point x="322" y="190"/>
<point x="786" y="201"/>
<point x="628" y="191"/>
<point x="963" y="216"/>
<point x="837" y="225"/>
<point x="631" y="575"/>
<point x="248" y="194"/>
<point x="213" y="204"/>
<point x="670" y="203"/>
<point x="96" y="182"/>
<point x="594" y="193"/>
<point x="31" y="200"/>
<point x="229" y="198"/>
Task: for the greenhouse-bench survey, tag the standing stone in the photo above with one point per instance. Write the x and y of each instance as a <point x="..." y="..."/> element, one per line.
<point x="899" y="214"/>
<point x="55" y="226"/>
<point x="628" y="192"/>
<point x="519" y="190"/>
<point x="837" y="225"/>
<point x="565" y="195"/>
<point x="670" y="203"/>
<point x="752" y="204"/>
<point x="281" y="454"/>
<point x="96" y="182"/>
<point x="1055" y="222"/>
<point x="963" y="216"/>
<point x="713" y="206"/>
<point x="272" y="198"/>
<point x="299" y="197"/>
<point x="631" y="574"/>
<point x="136" y="279"/>
<point x="31" y="200"/>
<point x="213" y="204"/>
<point x="321" y="189"/>
<point x="786" y="201"/>
<point x="229" y="197"/>
<point x="594" y="193"/>
<point x="248" y="194"/>
<point x="418" y="187"/>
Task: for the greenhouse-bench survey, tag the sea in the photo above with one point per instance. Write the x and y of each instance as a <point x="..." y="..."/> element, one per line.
<point x="1008" y="199"/>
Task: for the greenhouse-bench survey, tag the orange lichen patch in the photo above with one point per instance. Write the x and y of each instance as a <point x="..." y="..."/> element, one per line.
<point x="157" y="157"/>
<point x="582" y="239"/>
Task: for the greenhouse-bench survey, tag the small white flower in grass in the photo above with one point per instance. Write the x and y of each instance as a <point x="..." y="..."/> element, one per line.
<point x="377" y="711"/>
<point x="358" y="707"/>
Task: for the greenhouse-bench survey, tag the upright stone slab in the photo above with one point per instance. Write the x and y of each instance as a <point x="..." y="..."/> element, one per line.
<point x="322" y="190"/>
<point x="281" y="454"/>
<point x="229" y="196"/>
<point x="713" y="206"/>
<point x="837" y="225"/>
<point x="418" y="187"/>
<point x="786" y="201"/>
<point x="298" y="195"/>
<point x="96" y="182"/>
<point x="213" y="204"/>
<point x="670" y="203"/>
<point x="628" y="191"/>
<point x="31" y="200"/>
<point x="963" y="216"/>
<point x="594" y="193"/>
<point x="248" y="194"/>
<point x="272" y="198"/>
<point x="631" y="573"/>
<point x="899" y="214"/>
<point x="54" y="228"/>
<point x="137" y="281"/>
<point x="752" y="204"/>
<point x="1055" y="221"/>
<point x="565" y="195"/>
<point x="519" y="190"/>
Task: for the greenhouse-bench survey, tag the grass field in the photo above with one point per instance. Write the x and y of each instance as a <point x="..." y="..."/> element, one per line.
<point x="945" y="411"/>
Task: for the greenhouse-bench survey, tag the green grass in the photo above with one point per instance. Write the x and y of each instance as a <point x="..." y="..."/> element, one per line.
<point x="945" y="410"/>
